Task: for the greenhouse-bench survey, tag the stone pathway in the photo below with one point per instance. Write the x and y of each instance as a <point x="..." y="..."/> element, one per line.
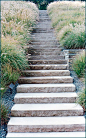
<point x="45" y="100"/>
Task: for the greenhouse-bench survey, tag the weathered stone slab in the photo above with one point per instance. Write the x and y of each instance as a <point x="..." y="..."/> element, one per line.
<point x="50" y="109"/>
<point x="43" y="57"/>
<point x="48" y="134"/>
<point x="36" y="73"/>
<point x="49" y="66"/>
<point x="67" y="97"/>
<point x="46" y="124"/>
<point x="45" y="88"/>
<point x="45" y="79"/>
<point x="60" y="61"/>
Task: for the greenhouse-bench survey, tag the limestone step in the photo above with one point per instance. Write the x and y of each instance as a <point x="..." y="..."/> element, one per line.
<point x="45" y="79"/>
<point x="44" y="43"/>
<point x="44" y="48"/>
<point x="43" y="35"/>
<point x="45" y="19"/>
<point x="27" y="88"/>
<point x="49" y="66"/>
<point x="47" y="134"/>
<point x="46" y="29"/>
<point x="43" y="26"/>
<point x="36" y="73"/>
<point x="43" y="110"/>
<point x="46" y="124"/>
<point x="60" y="61"/>
<point x="67" y="97"/>
<point x="40" y="39"/>
<point x="43" y="31"/>
<point x="55" y="57"/>
<point x="39" y="52"/>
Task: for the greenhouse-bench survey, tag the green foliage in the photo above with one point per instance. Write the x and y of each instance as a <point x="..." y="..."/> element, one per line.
<point x="68" y="19"/>
<point x="4" y="113"/>
<point x="42" y="4"/>
<point x="81" y="98"/>
<point x="79" y="64"/>
<point x="18" y="19"/>
<point x="74" y="40"/>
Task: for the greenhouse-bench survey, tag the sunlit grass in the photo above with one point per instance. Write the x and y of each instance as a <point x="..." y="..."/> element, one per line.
<point x="79" y="64"/>
<point x="68" y="19"/>
<point x="17" y="21"/>
<point x="81" y="98"/>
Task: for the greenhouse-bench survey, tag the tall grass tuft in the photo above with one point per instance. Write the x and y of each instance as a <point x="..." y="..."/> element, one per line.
<point x="68" y="19"/>
<point x="79" y="64"/>
<point x="81" y="98"/>
<point x="17" y="21"/>
<point x="4" y="113"/>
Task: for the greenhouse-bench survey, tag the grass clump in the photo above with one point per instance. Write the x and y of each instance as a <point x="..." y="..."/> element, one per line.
<point x="4" y="113"/>
<point x="17" y="21"/>
<point x="68" y="19"/>
<point x="81" y="98"/>
<point x="79" y="64"/>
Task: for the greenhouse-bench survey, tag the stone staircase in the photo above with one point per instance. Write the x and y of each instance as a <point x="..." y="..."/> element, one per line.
<point x="45" y="100"/>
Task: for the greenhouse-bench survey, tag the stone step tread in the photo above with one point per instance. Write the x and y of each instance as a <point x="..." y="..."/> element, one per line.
<point x="47" y="107"/>
<point x="46" y="87"/>
<point x="36" y="121"/>
<point x="46" y="56"/>
<point x="48" y="66"/>
<point x="47" y="77"/>
<point x="36" y="39"/>
<point x="47" y="134"/>
<point x="43" y="40"/>
<point x="67" y="97"/>
<point x="43" y="71"/>
<point x="44" y="95"/>
<point x="58" y="61"/>
<point x="42" y="47"/>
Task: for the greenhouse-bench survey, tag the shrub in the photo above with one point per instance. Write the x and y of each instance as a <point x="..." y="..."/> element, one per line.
<point x="79" y="64"/>
<point x="81" y="98"/>
<point x="68" y="19"/>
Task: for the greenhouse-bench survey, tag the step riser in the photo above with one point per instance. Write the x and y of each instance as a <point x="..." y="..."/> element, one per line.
<point x="43" y="48"/>
<point x="45" y="89"/>
<point x="45" y="100"/>
<point x="46" y="113"/>
<point x="45" y="57"/>
<point x="43" y="81"/>
<point x="48" y="67"/>
<point x="40" y="31"/>
<point x="45" y="43"/>
<point x="44" y="53"/>
<point x="48" y="62"/>
<point x="38" y="74"/>
<point x="41" y="38"/>
<point x="46" y="128"/>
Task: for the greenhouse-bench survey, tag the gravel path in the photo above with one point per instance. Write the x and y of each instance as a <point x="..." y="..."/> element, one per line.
<point x="8" y="100"/>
